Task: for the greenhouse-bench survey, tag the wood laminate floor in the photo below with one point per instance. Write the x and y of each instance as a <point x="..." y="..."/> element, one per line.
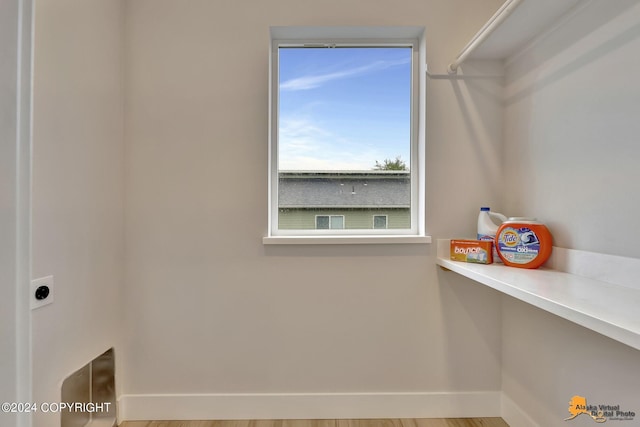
<point x="408" y="422"/>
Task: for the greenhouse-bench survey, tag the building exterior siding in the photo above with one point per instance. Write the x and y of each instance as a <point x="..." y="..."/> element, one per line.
<point x="304" y="219"/>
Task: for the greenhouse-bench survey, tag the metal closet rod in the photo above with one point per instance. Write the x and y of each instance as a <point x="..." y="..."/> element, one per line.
<point x="503" y="13"/>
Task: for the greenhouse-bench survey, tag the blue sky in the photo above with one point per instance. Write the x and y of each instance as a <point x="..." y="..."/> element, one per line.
<point x="343" y="108"/>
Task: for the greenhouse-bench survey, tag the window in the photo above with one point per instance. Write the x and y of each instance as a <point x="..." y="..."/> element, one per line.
<point x="329" y="222"/>
<point x="347" y="131"/>
<point x="379" y="221"/>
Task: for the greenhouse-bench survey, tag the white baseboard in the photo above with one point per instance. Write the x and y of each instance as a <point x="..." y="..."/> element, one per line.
<point x="513" y="415"/>
<point x="132" y="407"/>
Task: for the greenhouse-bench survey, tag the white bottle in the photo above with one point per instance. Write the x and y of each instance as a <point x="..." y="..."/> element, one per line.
<point x="487" y="227"/>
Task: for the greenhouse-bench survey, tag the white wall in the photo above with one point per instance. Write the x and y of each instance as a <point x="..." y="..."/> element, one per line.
<point x="78" y="188"/>
<point x="571" y="130"/>
<point x="15" y="94"/>
<point x="209" y="309"/>
<point x="548" y="360"/>
<point x="571" y="144"/>
<point x="8" y="185"/>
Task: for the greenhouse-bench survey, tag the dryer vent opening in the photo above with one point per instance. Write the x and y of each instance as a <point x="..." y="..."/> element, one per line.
<point x="90" y="394"/>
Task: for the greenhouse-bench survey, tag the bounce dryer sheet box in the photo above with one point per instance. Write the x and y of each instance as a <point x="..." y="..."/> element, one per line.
<point x="477" y="251"/>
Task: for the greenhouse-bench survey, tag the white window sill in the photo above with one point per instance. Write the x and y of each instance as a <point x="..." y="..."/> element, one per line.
<point x="345" y="240"/>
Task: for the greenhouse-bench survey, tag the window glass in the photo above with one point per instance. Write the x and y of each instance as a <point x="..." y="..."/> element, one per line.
<point x="326" y="222"/>
<point x="337" y="222"/>
<point x="322" y="222"/>
<point x="379" y="221"/>
<point x="344" y="134"/>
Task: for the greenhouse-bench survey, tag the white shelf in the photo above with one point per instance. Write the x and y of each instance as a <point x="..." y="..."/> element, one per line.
<point x="611" y="309"/>
<point x="529" y="19"/>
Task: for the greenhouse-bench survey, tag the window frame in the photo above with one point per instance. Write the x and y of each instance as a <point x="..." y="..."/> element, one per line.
<point x="353" y="37"/>
<point x="386" y="221"/>
<point x="330" y="223"/>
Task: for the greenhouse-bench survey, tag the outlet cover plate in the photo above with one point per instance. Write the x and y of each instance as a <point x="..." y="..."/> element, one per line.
<point x="35" y="284"/>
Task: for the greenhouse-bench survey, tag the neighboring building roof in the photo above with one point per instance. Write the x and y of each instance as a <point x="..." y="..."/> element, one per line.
<point x="344" y="189"/>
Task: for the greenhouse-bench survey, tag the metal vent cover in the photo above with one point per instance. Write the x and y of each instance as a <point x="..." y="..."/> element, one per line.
<point x="92" y="388"/>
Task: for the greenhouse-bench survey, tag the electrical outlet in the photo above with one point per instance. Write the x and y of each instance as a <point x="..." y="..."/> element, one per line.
<point x="41" y="292"/>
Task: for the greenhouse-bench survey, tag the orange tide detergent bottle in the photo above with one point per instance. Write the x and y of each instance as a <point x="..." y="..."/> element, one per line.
<point x="523" y="242"/>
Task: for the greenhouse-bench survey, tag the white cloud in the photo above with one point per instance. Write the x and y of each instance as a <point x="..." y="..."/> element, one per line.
<point x="303" y="145"/>
<point x="300" y="135"/>
<point x="314" y="81"/>
<point x="313" y="163"/>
